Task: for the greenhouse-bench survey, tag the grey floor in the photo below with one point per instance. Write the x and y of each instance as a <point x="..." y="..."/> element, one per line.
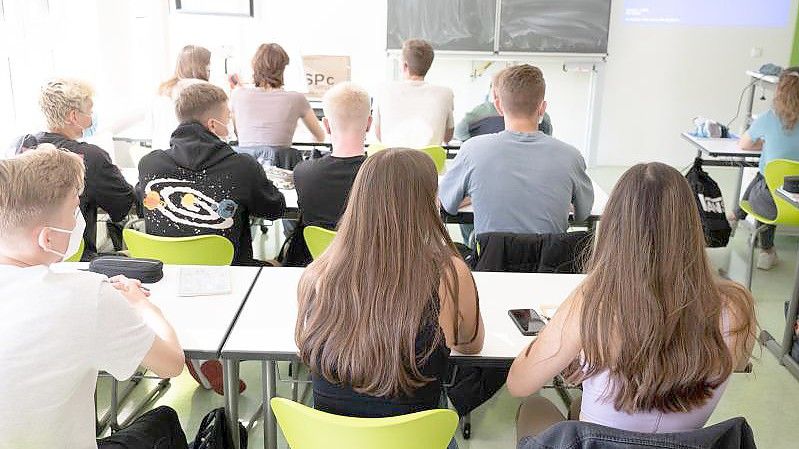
<point x="768" y="398"/>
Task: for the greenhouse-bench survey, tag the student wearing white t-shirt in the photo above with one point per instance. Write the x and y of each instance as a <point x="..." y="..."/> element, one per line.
<point x="61" y="328"/>
<point x="412" y="113"/>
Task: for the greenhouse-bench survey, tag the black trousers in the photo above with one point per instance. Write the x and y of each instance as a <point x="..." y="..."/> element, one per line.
<point x="157" y="429"/>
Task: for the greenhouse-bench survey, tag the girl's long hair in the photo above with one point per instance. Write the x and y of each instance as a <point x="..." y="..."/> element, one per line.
<point x="786" y="98"/>
<point x="362" y="302"/>
<point x="651" y="306"/>
<point x="193" y="62"/>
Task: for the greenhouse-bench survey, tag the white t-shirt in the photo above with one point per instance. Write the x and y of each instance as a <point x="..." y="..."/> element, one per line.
<point x="414" y="114"/>
<point x="58" y="331"/>
<point x="162" y="114"/>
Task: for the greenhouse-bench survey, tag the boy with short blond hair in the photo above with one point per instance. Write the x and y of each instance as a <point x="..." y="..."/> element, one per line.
<point x="63" y="327"/>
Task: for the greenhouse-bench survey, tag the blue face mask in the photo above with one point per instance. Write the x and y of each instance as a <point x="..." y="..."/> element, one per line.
<point x="92" y="129"/>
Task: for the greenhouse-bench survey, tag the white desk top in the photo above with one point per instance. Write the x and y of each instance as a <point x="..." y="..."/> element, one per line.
<point x="771" y="79"/>
<point x="716" y="147"/>
<point x="201" y="322"/>
<point x="265" y="328"/>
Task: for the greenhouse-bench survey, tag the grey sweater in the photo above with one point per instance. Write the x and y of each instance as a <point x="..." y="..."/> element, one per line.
<point x="518" y="182"/>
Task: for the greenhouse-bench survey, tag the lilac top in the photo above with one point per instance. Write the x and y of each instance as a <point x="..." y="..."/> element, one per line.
<point x="267" y="117"/>
<point x="597" y="407"/>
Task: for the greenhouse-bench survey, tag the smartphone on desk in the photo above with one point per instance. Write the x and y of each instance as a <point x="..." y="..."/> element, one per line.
<point x="528" y="321"/>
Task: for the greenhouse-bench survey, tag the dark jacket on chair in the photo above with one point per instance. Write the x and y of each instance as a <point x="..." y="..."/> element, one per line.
<point x="733" y="433"/>
<point x="527" y="253"/>
<point x="531" y="253"/>
<point x="201" y="186"/>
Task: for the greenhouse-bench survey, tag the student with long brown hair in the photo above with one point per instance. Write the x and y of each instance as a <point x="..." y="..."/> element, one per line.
<point x="652" y="333"/>
<point x="193" y="66"/>
<point x="380" y="310"/>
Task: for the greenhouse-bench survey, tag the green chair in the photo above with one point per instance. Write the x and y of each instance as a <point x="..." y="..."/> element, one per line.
<point x="76" y="257"/>
<point x="787" y="215"/>
<point x="317" y="239"/>
<point x="374" y="148"/>
<point x="439" y="155"/>
<point x="194" y="250"/>
<point x="306" y="428"/>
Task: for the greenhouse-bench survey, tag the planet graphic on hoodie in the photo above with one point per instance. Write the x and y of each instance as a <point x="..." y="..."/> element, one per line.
<point x="180" y="201"/>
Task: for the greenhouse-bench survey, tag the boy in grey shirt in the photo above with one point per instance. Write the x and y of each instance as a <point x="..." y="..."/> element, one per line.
<point x="519" y="180"/>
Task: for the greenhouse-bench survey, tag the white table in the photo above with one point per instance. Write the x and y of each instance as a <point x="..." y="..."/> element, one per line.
<point x="717" y="152"/>
<point x="265" y="328"/>
<point x="201" y="322"/>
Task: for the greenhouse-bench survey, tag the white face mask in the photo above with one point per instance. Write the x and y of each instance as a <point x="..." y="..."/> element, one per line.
<point x="75" y="237"/>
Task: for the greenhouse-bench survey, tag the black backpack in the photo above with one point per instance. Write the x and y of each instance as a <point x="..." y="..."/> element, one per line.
<point x="710" y="205"/>
<point x="214" y="433"/>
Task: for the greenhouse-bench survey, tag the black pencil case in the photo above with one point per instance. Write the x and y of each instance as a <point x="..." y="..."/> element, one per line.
<point x="148" y="271"/>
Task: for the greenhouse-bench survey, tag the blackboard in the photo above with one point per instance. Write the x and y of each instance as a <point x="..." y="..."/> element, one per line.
<point x="554" y="26"/>
<point x="453" y="25"/>
<point x="529" y="26"/>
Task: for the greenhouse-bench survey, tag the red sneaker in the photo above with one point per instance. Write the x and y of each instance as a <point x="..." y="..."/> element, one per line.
<point x="212" y="370"/>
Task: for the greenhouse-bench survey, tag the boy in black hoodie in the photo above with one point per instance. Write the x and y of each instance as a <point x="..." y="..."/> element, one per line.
<point x="67" y="105"/>
<point x="200" y="185"/>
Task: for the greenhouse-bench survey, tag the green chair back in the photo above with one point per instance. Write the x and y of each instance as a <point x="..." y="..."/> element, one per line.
<point x="317" y="239"/>
<point x="374" y="148"/>
<point x="306" y="428"/>
<point x="437" y="152"/>
<point x="776" y="171"/>
<point x="76" y="257"/>
<point x="194" y="250"/>
<point x="439" y="155"/>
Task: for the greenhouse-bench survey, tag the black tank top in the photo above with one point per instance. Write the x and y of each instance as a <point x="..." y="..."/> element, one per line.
<point x="344" y="401"/>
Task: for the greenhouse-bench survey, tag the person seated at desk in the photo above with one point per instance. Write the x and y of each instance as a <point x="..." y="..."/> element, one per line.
<point x="651" y="333"/>
<point x="67" y="106"/>
<point x="61" y="328"/>
<point x="324" y="184"/>
<point x="393" y="258"/>
<point x="193" y="66"/>
<point x="484" y="119"/>
<point x="519" y="180"/>
<point x="413" y="113"/>
<point x="265" y="116"/>
<point x="200" y="185"/>
<point x="775" y="135"/>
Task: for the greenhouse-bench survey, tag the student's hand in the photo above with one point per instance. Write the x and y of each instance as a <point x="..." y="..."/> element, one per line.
<point x="233" y="80"/>
<point x="466" y="202"/>
<point x="130" y="288"/>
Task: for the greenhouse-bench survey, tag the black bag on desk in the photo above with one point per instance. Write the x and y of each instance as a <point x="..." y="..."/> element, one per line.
<point x="214" y="432"/>
<point x="710" y="205"/>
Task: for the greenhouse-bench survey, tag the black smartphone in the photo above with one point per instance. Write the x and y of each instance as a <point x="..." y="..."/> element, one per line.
<point x="528" y="321"/>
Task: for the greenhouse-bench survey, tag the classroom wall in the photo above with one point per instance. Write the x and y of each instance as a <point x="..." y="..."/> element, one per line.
<point x="656" y="80"/>
<point x="659" y="77"/>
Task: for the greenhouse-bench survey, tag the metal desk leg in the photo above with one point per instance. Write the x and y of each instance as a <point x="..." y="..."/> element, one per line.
<point x="230" y="374"/>
<point x="738" y="185"/>
<point x="268" y="378"/>
<point x="783" y="351"/>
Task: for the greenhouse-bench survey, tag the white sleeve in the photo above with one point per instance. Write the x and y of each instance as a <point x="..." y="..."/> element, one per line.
<point x="450" y="109"/>
<point x="123" y="339"/>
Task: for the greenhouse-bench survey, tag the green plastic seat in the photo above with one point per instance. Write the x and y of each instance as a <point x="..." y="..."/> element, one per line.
<point x="374" y="148"/>
<point x="76" y="257"/>
<point x="439" y="155"/>
<point x="317" y="239"/>
<point x="194" y="250"/>
<point x="787" y="214"/>
<point x="306" y="428"/>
